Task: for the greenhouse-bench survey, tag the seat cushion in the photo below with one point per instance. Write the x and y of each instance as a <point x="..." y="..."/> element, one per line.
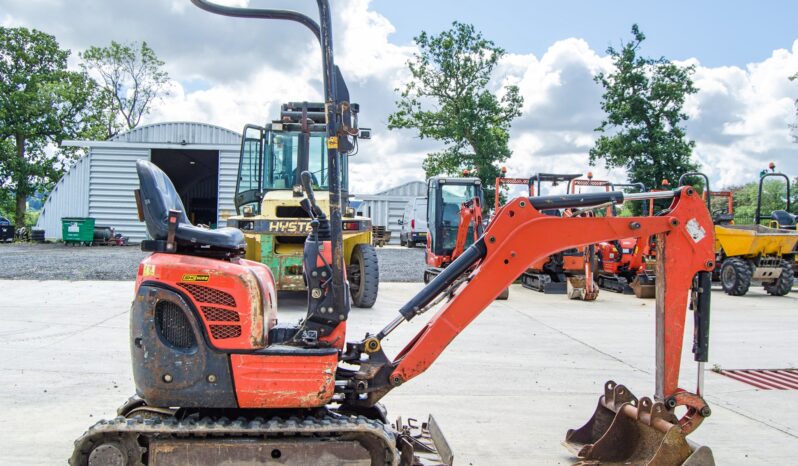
<point x="223" y="238"/>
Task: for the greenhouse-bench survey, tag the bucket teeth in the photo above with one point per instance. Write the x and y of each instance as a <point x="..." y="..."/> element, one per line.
<point x="625" y="430"/>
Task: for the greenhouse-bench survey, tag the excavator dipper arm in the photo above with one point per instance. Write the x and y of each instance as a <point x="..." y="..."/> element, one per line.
<point x="519" y="235"/>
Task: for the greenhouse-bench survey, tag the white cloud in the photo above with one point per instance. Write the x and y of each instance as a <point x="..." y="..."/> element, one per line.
<point x="739" y="118"/>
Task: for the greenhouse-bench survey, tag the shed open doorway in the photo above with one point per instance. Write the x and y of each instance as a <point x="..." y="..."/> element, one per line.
<point x="195" y="174"/>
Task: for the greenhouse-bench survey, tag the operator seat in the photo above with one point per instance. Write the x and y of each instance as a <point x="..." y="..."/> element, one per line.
<point x="785" y="219"/>
<point x="158" y="197"/>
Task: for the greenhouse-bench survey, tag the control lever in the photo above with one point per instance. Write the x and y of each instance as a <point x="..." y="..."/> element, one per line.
<point x="307" y="185"/>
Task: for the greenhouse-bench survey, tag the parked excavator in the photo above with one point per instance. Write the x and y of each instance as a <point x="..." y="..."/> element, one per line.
<point x="625" y="265"/>
<point x="454" y="219"/>
<point x="220" y="381"/>
<point x="562" y="272"/>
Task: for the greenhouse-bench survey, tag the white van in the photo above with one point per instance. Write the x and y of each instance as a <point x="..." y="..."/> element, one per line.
<point x="414" y="223"/>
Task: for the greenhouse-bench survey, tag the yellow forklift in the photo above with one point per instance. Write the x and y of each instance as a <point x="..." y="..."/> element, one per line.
<point x="269" y="191"/>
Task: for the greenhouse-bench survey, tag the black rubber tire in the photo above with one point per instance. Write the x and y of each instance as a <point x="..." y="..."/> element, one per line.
<point x="783" y="284"/>
<point x="735" y="276"/>
<point x="402" y="241"/>
<point x="364" y="275"/>
<point x="503" y="295"/>
<point x="411" y="244"/>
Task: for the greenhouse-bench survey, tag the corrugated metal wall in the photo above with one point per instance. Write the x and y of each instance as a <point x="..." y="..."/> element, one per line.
<point x="180" y="133"/>
<point x="112" y="181"/>
<point x="101" y="184"/>
<point x="386" y="208"/>
<point x="69" y="198"/>
<point x="228" y="172"/>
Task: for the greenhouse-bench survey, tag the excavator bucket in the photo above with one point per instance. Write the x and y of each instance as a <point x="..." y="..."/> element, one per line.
<point x="644" y="286"/>
<point x="423" y="444"/>
<point x="625" y="430"/>
<point x="577" y="288"/>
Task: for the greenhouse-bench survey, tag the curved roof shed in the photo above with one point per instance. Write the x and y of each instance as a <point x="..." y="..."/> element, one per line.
<point x="201" y="159"/>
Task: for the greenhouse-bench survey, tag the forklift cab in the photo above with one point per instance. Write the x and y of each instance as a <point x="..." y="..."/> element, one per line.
<point x="445" y="196"/>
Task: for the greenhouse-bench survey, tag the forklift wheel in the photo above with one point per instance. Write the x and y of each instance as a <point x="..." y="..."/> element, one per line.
<point x="364" y="275"/>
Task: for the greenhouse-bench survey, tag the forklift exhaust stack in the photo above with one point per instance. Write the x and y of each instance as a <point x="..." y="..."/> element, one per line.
<point x="625" y="430"/>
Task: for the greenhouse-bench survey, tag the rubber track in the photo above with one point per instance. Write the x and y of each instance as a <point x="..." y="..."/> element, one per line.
<point x="327" y="426"/>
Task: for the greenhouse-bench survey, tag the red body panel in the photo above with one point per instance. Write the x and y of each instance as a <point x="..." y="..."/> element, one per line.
<point x="281" y="381"/>
<point x="235" y="300"/>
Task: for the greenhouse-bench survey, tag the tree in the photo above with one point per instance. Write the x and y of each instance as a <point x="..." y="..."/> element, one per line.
<point x="131" y="79"/>
<point x="41" y="103"/>
<point x="643" y="101"/>
<point x="794" y="126"/>
<point x="774" y="197"/>
<point x="448" y="99"/>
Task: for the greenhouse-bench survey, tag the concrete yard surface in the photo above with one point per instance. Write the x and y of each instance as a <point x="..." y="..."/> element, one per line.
<point x="504" y="392"/>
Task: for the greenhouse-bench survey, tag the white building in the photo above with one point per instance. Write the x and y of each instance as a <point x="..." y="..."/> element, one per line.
<point x="386" y="208"/>
<point x="201" y="160"/>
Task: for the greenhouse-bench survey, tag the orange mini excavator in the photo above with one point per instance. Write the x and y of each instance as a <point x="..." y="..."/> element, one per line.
<point x="454" y="219"/>
<point x="219" y="382"/>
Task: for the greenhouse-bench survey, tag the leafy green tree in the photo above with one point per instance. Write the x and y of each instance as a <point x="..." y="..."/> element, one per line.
<point x="643" y="129"/>
<point x="794" y="126"/>
<point x="41" y="103"/>
<point x="448" y="99"/>
<point x="131" y="78"/>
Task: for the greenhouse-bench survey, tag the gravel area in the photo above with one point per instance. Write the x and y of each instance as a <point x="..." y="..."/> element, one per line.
<point x="55" y="261"/>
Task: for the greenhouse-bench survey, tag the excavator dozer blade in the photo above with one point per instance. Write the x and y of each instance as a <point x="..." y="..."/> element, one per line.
<point x="423" y="444"/>
<point x="628" y="431"/>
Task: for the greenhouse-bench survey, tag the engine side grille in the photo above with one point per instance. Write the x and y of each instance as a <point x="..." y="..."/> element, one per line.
<point x="221" y="332"/>
<point x="173" y="326"/>
<point x="209" y="295"/>
<point x="216" y="314"/>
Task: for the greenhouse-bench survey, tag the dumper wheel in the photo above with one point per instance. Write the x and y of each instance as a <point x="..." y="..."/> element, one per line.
<point x="364" y="275"/>
<point x="735" y="276"/>
<point x="783" y="284"/>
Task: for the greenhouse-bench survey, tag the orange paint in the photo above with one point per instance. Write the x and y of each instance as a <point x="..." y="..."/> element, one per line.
<point x="281" y="381"/>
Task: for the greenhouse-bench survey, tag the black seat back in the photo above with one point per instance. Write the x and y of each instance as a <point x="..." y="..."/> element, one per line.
<point x="158" y="197"/>
<point x="785" y="219"/>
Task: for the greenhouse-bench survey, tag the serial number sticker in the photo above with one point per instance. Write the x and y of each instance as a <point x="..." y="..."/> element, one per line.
<point x="695" y="230"/>
<point x="196" y="277"/>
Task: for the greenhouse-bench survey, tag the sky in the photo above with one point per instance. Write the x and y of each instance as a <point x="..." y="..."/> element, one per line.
<point x="230" y="72"/>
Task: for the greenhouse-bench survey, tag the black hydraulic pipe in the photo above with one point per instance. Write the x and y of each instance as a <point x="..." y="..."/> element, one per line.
<point x="701" y="318"/>
<point x="565" y="201"/>
<point x="323" y="32"/>
<point x="440" y="283"/>
<point x="260" y="13"/>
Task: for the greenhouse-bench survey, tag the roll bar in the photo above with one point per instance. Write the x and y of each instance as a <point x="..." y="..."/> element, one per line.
<point x="323" y="32"/>
<point x="759" y="217"/>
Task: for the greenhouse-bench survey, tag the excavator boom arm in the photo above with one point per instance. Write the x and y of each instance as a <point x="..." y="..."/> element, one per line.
<point x="520" y="235"/>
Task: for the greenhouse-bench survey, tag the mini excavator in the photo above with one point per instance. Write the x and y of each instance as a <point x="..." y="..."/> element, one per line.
<point x="454" y="219"/>
<point x="219" y="381"/>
